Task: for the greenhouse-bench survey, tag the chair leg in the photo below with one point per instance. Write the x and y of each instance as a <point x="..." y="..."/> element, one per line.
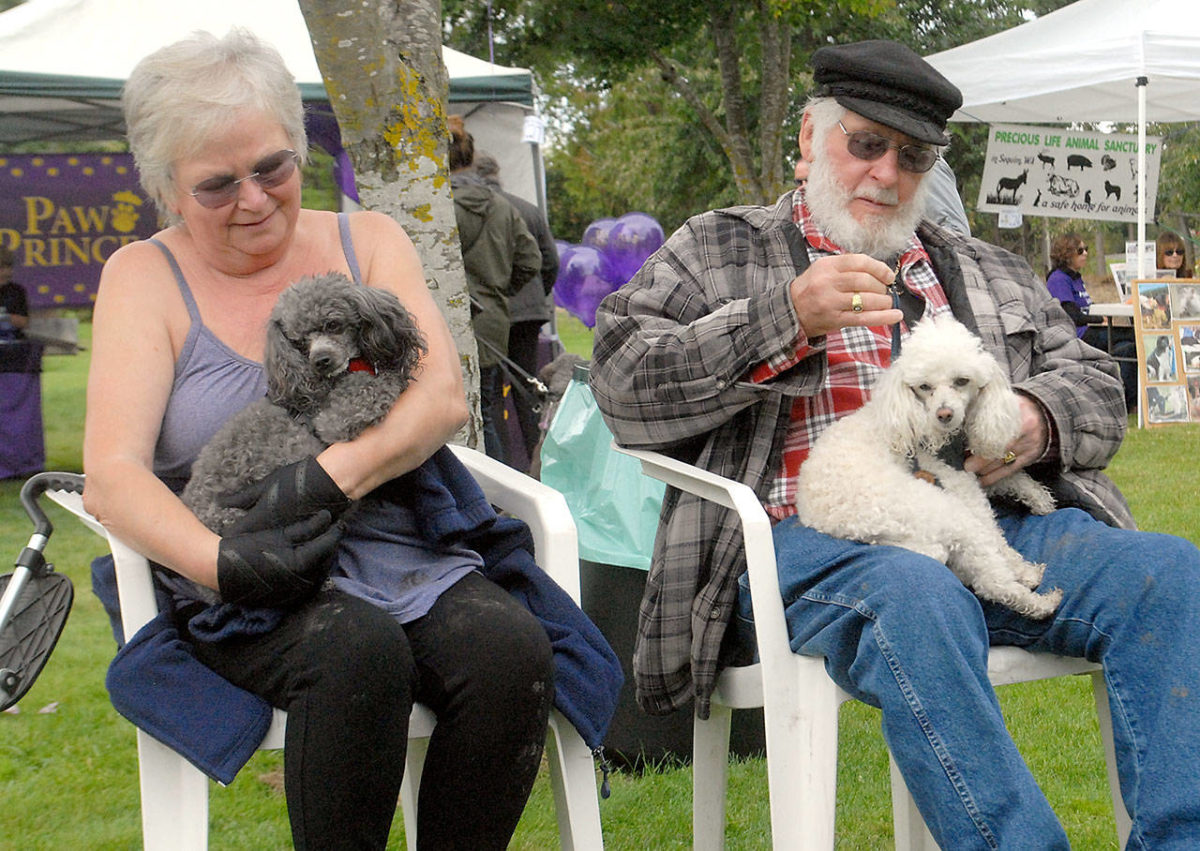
<point x="414" y="765"/>
<point x="802" y="743"/>
<point x="573" y="780"/>
<point x="908" y="826"/>
<point x="174" y="799"/>
<point x="1104" y="716"/>
<point x="710" y="777"/>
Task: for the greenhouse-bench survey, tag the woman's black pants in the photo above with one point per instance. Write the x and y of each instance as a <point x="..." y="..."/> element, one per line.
<point x="347" y="673"/>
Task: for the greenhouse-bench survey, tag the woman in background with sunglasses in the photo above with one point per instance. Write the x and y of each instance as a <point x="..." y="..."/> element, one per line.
<point x="216" y="128"/>
<point x="1169" y="247"/>
<point x="1065" y="282"/>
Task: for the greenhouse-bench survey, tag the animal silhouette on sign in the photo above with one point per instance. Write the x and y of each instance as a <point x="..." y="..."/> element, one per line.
<point x="1047" y="160"/>
<point x="1060" y="185"/>
<point x="1038" y="199"/>
<point x="1010" y="185"/>
<point x="1078" y="161"/>
<point x="1087" y="197"/>
<point x="1111" y="190"/>
<point x="1107" y="163"/>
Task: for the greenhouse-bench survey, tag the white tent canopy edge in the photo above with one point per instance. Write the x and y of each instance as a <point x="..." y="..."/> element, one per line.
<point x="63" y="62"/>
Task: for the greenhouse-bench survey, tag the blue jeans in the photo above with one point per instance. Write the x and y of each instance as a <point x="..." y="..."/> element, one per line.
<point x="901" y="633"/>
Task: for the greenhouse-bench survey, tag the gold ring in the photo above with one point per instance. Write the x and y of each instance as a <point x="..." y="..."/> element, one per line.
<point x="1009" y="457"/>
<point x="856" y="303"/>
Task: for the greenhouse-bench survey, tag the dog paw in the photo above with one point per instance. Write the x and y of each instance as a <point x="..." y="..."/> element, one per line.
<point x="1041" y="606"/>
<point x="1029" y="573"/>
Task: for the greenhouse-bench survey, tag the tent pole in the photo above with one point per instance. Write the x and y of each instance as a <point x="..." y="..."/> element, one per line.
<point x="1141" y="176"/>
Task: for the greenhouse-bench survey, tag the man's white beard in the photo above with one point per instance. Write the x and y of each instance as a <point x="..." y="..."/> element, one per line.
<point x="883" y="236"/>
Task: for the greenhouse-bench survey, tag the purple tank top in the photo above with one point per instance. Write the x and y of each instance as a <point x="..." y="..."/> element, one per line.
<point x="212" y="382"/>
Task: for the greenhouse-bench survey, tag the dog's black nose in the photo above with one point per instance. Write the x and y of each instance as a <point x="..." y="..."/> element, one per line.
<point x="323" y="362"/>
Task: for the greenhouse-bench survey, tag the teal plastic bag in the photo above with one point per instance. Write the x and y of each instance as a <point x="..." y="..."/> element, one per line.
<point x="614" y="505"/>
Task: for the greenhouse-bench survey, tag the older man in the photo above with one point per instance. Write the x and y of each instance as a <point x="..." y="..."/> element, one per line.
<point x="753" y="328"/>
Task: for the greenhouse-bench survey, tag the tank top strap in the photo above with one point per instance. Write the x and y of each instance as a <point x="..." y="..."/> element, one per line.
<point x="348" y="247"/>
<point x="184" y="289"/>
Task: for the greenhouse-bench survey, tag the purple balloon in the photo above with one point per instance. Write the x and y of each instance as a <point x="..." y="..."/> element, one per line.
<point x="597" y="233"/>
<point x="584" y="278"/>
<point x="631" y="241"/>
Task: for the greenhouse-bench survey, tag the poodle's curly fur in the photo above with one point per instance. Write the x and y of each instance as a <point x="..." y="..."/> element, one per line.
<point x="337" y="356"/>
<point x="875" y="476"/>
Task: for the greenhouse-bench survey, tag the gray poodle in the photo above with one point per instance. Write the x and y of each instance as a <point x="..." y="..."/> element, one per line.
<point x="337" y="356"/>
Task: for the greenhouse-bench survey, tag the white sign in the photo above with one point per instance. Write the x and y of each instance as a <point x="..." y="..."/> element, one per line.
<point x="534" y="130"/>
<point x="1048" y="171"/>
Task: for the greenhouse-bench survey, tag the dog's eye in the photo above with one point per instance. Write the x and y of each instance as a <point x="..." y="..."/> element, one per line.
<point x="961" y="382"/>
<point x="925" y="388"/>
<point x="333" y="326"/>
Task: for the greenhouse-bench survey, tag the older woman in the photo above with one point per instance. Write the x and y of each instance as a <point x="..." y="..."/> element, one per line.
<point x="216" y="128"/>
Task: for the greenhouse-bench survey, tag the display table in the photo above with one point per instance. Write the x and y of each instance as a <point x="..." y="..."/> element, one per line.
<point x="22" y="440"/>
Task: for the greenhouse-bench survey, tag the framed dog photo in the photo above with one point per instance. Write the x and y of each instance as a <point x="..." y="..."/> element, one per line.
<point x="1167" y="324"/>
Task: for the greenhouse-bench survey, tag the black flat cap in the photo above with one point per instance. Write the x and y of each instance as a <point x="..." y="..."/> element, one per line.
<point x="886" y="82"/>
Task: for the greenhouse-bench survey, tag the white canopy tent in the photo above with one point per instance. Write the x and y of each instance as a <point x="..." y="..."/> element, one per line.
<point x="63" y="62"/>
<point x="1094" y="60"/>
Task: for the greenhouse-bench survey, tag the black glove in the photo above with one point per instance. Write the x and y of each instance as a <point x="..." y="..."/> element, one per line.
<point x="277" y="567"/>
<point x="291" y="493"/>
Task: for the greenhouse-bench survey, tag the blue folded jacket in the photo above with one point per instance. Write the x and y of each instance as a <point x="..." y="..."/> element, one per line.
<point x="157" y="683"/>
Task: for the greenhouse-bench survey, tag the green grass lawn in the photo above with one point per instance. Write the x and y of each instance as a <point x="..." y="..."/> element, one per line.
<point x="68" y="773"/>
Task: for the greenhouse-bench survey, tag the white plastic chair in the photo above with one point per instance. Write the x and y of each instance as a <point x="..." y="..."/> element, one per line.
<point x="174" y="793"/>
<point x="800" y="702"/>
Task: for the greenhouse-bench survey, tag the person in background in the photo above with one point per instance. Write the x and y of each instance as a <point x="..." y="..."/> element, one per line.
<point x="1069" y="256"/>
<point x="14" y="301"/>
<point x="752" y="329"/>
<point x="500" y="256"/>
<point x="216" y="127"/>
<point x="531" y="308"/>
<point x="944" y="206"/>
<point x="1170" y="253"/>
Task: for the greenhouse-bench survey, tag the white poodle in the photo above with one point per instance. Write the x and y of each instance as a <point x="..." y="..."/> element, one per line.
<point x="875" y="476"/>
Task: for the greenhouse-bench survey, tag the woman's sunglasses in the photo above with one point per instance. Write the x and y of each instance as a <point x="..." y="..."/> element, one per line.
<point x="1172" y="252"/>
<point x="268" y="173"/>
<point x="869" y="146"/>
<point x="1081" y="249"/>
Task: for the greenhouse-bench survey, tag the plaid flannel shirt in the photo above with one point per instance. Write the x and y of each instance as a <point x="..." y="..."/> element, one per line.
<point x="673" y="349"/>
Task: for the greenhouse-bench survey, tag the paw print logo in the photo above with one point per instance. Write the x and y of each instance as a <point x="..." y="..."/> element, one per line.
<point x="126" y="217"/>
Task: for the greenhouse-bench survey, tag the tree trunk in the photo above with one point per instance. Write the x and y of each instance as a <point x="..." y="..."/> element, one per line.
<point x="382" y="66"/>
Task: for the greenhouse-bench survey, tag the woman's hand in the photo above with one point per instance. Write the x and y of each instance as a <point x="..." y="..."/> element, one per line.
<point x="277" y="567"/>
<point x="291" y="493"/>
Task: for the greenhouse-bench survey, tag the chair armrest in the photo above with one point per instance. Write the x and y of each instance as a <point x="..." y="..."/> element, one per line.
<point x="769" y="623"/>
<point x="135" y="587"/>
<point x="543" y="508"/>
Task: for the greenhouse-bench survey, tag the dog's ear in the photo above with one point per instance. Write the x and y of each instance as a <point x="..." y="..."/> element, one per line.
<point x="388" y="334"/>
<point x="994" y="418"/>
<point x="291" y="381"/>
<point x="903" y="419"/>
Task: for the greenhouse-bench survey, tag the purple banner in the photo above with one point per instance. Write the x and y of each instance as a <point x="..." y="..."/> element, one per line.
<point x="65" y="214"/>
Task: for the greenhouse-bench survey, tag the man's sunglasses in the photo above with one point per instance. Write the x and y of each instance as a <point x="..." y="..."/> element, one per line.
<point x="1171" y="252"/>
<point x="268" y="173"/>
<point x="869" y="146"/>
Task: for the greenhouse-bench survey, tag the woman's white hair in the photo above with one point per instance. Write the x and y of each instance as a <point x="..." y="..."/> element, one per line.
<point x="180" y="96"/>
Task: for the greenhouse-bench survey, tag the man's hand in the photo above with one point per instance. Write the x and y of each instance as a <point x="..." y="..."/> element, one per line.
<point x="1026" y="449"/>
<point x="291" y="493"/>
<point x="828" y="292"/>
<point x="277" y="567"/>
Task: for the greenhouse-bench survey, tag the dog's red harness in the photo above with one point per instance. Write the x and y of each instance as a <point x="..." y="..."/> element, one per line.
<point x="361" y="365"/>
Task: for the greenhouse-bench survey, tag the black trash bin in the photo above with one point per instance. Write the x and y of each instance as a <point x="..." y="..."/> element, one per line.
<point x="616" y="511"/>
